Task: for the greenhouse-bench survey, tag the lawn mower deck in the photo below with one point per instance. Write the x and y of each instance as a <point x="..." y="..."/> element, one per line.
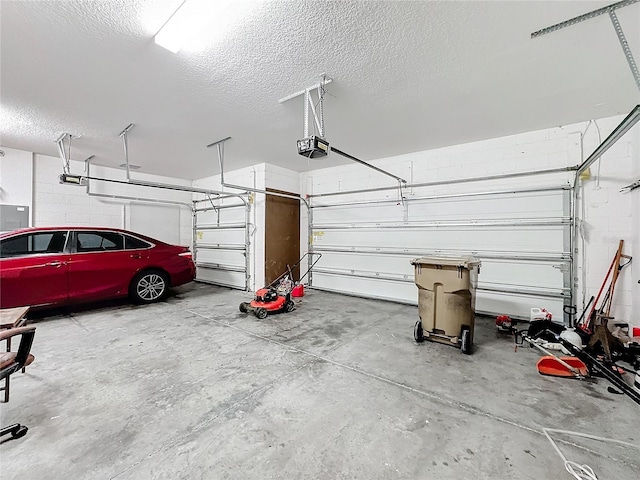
<point x="268" y="300"/>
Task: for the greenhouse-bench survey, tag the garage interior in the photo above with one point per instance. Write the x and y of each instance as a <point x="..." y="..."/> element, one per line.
<point x="504" y="131"/>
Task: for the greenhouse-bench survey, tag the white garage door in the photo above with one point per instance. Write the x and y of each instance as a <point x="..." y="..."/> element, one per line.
<point x="522" y="237"/>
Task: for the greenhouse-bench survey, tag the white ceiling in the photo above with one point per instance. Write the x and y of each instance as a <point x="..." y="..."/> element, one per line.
<point x="408" y="76"/>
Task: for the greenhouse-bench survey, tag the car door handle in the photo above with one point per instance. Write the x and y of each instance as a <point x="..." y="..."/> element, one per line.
<point x="55" y="264"/>
<point x="135" y="255"/>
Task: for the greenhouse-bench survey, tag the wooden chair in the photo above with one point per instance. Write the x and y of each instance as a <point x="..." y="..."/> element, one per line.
<point x="11" y="362"/>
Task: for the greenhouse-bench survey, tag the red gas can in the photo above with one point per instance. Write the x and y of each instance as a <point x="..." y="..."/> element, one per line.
<point x="298" y="291"/>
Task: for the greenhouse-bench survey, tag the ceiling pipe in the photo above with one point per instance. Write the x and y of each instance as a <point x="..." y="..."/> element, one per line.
<point x="165" y="186"/>
<point x="124" y="197"/>
<point x="123" y="135"/>
<point x="63" y="154"/>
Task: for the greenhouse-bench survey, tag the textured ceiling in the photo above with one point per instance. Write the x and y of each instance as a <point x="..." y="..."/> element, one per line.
<point x="408" y="76"/>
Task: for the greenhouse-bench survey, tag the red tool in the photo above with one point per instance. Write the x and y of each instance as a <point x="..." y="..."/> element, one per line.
<point x="505" y="323"/>
<point x="605" y="307"/>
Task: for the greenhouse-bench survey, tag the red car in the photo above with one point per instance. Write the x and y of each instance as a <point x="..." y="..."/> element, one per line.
<point x="59" y="265"/>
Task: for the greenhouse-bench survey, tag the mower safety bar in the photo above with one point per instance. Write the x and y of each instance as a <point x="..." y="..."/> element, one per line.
<point x="290" y="269"/>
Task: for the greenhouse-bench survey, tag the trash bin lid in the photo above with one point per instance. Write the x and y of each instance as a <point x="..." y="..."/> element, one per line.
<point x="468" y="262"/>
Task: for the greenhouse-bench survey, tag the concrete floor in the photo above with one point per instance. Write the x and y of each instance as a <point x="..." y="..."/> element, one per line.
<point x="191" y="388"/>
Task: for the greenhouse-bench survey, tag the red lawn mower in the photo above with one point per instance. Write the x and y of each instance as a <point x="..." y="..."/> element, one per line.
<point x="276" y="297"/>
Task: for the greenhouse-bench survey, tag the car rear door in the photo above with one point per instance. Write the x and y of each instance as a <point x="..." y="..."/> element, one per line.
<point x="34" y="269"/>
<point x="100" y="266"/>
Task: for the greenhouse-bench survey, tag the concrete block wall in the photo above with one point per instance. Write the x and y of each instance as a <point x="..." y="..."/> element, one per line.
<point x="282" y="179"/>
<point x="57" y="204"/>
<point x="608" y="214"/>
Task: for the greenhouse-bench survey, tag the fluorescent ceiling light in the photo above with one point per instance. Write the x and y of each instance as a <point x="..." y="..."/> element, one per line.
<point x="189" y="19"/>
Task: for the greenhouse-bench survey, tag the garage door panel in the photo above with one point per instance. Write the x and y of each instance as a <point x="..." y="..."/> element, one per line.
<point x="523" y="274"/>
<point x="221" y="257"/>
<point x="368" y="287"/>
<point x="221" y="246"/>
<point x="543" y="239"/>
<point x="517" y="305"/>
<point x="221" y="277"/>
<point x="221" y="237"/>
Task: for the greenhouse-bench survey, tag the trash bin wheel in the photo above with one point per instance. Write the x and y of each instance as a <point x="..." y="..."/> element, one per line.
<point x="261" y="313"/>
<point x="21" y="431"/>
<point x="418" y="334"/>
<point x="465" y="341"/>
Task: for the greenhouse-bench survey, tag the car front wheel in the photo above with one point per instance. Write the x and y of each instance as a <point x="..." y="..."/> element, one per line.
<point x="149" y="286"/>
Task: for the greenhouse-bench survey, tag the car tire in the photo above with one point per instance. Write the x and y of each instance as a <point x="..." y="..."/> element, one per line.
<point x="149" y="286"/>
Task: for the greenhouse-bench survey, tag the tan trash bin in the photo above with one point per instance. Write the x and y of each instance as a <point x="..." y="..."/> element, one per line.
<point x="446" y="299"/>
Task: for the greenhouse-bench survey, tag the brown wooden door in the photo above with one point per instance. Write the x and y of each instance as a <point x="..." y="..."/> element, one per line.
<point x="282" y="236"/>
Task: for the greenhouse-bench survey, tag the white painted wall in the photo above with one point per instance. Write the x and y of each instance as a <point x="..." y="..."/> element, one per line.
<point x="282" y="179"/>
<point x="608" y="214"/>
<point x="16" y="173"/>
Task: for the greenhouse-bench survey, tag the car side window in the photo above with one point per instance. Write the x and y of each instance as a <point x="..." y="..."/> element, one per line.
<point x="98" y="241"/>
<point x="33" y="244"/>
<point x="133" y="243"/>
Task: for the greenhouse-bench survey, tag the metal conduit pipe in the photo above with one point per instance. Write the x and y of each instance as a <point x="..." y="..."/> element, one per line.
<point x="124" y="135"/>
<point x="623" y="127"/>
<point x="186" y="189"/>
<point x="447" y="196"/>
<point x="139" y="199"/>
<point x="449" y="182"/>
<point x="127" y="197"/>
<point x="161" y="186"/>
